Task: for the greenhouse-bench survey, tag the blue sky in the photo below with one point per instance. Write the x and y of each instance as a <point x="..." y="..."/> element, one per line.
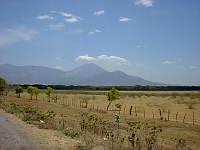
<point x="158" y="40"/>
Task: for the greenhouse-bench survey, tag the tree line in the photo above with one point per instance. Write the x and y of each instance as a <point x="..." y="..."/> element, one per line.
<point x="121" y="88"/>
<point x="4" y="87"/>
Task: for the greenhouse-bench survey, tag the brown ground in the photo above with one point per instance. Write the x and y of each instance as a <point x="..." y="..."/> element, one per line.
<point x="40" y="138"/>
<point x="71" y="112"/>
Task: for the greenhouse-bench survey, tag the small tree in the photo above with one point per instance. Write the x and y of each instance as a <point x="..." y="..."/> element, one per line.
<point x="36" y="92"/>
<point x="48" y="92"/>
<point x="18" y="91"/>
<point x="112" y="95"/>
<point x="3" y="86"/>
<point x="30" y="90"/>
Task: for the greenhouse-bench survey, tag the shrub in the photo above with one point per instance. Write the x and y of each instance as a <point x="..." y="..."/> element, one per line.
<point x="18" y="90"/>
<point x="72" y="132"/>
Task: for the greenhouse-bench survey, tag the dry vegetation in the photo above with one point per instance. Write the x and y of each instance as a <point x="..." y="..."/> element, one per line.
<point x="138" y="120"/>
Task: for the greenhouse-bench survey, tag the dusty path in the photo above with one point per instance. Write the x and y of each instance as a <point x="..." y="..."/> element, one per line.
<point x="17" y="135"/>
<point x="11" y="137"/>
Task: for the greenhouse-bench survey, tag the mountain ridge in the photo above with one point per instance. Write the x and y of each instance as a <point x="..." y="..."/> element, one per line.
<point x="87" y="74"/>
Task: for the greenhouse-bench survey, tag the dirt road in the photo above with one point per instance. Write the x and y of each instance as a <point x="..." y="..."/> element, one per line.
<point x="18" y="135"/>
<point x="11" y="137"/>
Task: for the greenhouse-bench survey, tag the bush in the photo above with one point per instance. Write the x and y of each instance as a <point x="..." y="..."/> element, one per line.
<point x="72" y="132"/>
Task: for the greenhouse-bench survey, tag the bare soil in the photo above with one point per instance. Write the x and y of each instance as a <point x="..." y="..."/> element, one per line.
<point x="16" y="134"/>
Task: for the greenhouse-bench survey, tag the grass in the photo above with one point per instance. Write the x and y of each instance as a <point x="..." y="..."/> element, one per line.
<point x="67" y="108"/>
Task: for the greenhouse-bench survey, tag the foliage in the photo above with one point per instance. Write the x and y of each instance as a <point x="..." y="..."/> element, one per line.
<point x="91" y="122"/>
<point x="30" y="90"/>
<point x="117" y="120"/>
<point x="87" y="142"/>
<point x="18" y="90"/>
<point x="112" y="95"/>
<point x="48" y="92"/>
<point x="36" y="92"/>
<point x="3" y="86"/>
<point x="180" y="143"/>
<point x="72" y="132"/>
<point x="33" y="91"/>
<point x="143" y="135"/>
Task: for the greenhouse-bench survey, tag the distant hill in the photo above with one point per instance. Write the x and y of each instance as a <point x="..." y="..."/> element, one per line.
<point x="88" y="74"/>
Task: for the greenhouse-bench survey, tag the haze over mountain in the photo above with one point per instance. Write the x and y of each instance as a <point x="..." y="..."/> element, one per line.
<point x="87" y="74"/>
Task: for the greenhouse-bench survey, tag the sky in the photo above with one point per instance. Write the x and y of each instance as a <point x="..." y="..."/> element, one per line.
<point x="158" y="40"/>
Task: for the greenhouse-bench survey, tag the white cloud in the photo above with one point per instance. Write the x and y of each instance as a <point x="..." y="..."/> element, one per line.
<point x="99" y="12"/>
<point x="146" y="3"/>
<point x="45" y="17"/>
<point x="73" y="19"/>
<point x="124" y="19"/>
<point x="59" y="68"/>
<point x="106" y="59"/>
<point x="114" y="59"/>
<point x="69" y="17"/>
<point x="85" y="57"/>
<point x="91" y="33"/>
<point x="98" y="31"/>
<point x="17" y="34"/>
<point x="57" y="27"/>
<point x="65" y="14"/>
<point x="95" y="31"/>
<point x="168" y="62"/>
<point x="76" y="31"/>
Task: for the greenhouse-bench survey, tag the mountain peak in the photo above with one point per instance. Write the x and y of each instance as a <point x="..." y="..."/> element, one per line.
<point x="86" y="70"/>
<point x="91" y="65"/>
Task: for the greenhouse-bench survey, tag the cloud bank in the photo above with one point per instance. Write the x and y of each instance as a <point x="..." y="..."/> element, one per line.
<point x="106" y="59"/>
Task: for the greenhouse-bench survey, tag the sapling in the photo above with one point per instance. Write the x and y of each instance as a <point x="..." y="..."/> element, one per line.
<point x="112" y="95"/>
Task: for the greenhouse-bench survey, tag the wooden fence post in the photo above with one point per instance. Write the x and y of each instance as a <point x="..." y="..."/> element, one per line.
<point x="177" y="117"/>
<point x="184" y="118"/>
<point x="153" y="114"/>
<point x="193" y="118"/>
<point x="135" y="111"/>
<point x="130" y="112"/>
<point x="160" y="112"/>
<point x="168" y="114"/>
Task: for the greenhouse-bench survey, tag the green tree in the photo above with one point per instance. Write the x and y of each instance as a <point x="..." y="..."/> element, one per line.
<point x="3" y="86"/>
<point x="36" y="92"/>
<point x="30" y="91"/>
<point x="18" y="90"/>
<point x="48" y="92"/>
<point x="112" y="95"/>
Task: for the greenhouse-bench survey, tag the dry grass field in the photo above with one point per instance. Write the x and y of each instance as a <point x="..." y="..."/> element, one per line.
<point x="177" y="113"/>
